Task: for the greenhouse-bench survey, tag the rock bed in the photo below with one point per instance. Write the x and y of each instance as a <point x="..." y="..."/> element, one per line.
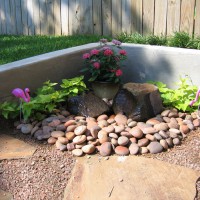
<point x="112" y="134"/>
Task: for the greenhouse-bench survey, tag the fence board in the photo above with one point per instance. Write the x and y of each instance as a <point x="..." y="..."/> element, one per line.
<point x="64" y="17"/>
<point x="136" y="9"/>
<point x="36" y="16"/>
<point x="19" y="26"/>
<point x="116" y="17"/>
<point x="160" y="20"/>
<point x="43" y="18"/>
<point x="57" y="19"/>
<point x="8" y="18"/>
<point x="173" y="16"/>
<point x="197" y="19"/>
<point x="13" y="17"/>
<point x="148" y="17"/>
<point x="50" y="17"/>
<point x="126" y="16"/>
<point x="107" y="17"/>
<point x="187" y="16"/>
<point x="97" y="17"/>
<point x="31" y="27"/>
<point x="74" y="16"/>
<point x="24" y="17"/>
<point x="86" y="23"/>
<point x="3" y="17"/>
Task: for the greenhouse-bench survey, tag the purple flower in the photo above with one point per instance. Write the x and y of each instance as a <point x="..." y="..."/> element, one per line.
<point x="116" y="42"/>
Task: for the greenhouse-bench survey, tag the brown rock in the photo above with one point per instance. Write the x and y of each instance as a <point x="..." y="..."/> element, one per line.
<point x="60" y="127"/>
<point x="71" y="128"/>
<point x="103" y="123"/>
<point x="150" y="137"/>
<point x="173" y="130"/>
<point x="54" y="123"/>
<point x="152" y="121"/>
<point x="70" y="146"/>
<point x="90" y="138"/>
<point x="79" y="139"/>
<point x="80" y="130"/>
<point x="165" y="113"/>
<point x="164" y="144"/>
<point x="121" y="150"/>
<point x="103" y="136"/>
<point x="196" y="122"/>
<point x="127" y="134"/>
<point x="61" y="146"/>
<point x="105" y="149"/>
<point x="94" y="131"/>
<point x="173" y="125"/>
<point x="161" y="127"/>
<point x="119" y="129"/>
<point x="121" y="119"/>
<point x="123" y="140"/>
<point x="132" y="124"/>
<point x="166" y="119"/>
<point x="143" y="142"/>
<point x="134" y="149"/>
<point x="114" y="142"/>
<point x="102" y="117"/>
<point x="163" y="134"/>
<point x="184" y="129"/>
<point x="176" y="141"/>
<point x="143" y="150"/>
<point x="70" y="135"/>
<point x="63" y="140"/>
<point x="155" y="147"/>
<point x="77" y="152"/>
<point x="88" y="149"/>
<point x="57" y="134"/>
<point x="136" y="132"/>
<point x="70" y="122"/>
<point x="108" y="129"/>
<point x="149" y="130"/>
<point x="157" y="136"/>
<point x="169" y="142"/>
<point x="52" y="140"/>
<point x="133" y="140"/>
<point x="113" y="135"/>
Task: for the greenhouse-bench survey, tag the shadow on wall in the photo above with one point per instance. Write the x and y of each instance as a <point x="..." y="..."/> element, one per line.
<point x="157" y="63"/>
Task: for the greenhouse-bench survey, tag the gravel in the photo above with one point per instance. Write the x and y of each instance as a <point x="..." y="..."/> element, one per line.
<point x="46" y="173"/>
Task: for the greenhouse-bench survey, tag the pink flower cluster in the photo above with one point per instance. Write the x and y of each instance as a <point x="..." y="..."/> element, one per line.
<point x="108" y="52"/>
<point x="122" y="52"/>
<point x="96" y="65"/>
<point x="86" y="56"/>
<point x="118" y="72"/>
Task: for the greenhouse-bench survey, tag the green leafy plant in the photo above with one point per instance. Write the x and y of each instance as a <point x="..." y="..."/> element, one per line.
<point x="47" y="99"/>
<point x="180" y="97"/>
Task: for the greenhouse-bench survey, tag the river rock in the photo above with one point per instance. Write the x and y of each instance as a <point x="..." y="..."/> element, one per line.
<point x="54" y="123"/>
<point x="52" y="140"/>
<point x="119" y="128"/>
<point x="113" y="135"/>
<point x="80" y="130"/>
<point x="88" y="149"/>
<point x="70" y="146"/>
<point x="196" y="122"/>
<point x="109" y="129"/>
<point x="161" y="126"/>
<point x="63" y="140"/>
<point x="26" y="128"/>
<point x="87" y="105"/>
<point x="121" y="150"/>
<point x="138" y="101"/>
<point x="136" y="132"/>
<point x="153" y="121"/>
<point x="157" y="136"/>
<point x="121" y="119"/>
<point x="60" y="127"/>
<point x="114" y="141"/>
<point x="71" y="128"/>
<point x="70" y="122"/>
<point x="164" y="144"/>
<point x="102" y="117"/>
<point x="143" y="150"/>
<point x="79" y="139"/>
<point x="105" y="149"/>
<point x="184" y="129"/>
<point x="132" y="124"/>
<point x="57" y="134"/>
<point x="77" y="152"/>
<point x="143" y="142"/>
<point x="176" y="141"/>
<point x="61" y="146"/>
<point x="165" y="113"/>
<point x="94" y="131"/>
<point x="123" y="140"/>
<point x="134" y="149"/>
<point x="149" y="130"/>
<point x="155" y="147"/>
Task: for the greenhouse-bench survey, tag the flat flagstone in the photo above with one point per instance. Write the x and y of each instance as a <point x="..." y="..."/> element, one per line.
<point x="128" y="178"/>
<point x="12" y="148"/>
<point x="5" y="195"/>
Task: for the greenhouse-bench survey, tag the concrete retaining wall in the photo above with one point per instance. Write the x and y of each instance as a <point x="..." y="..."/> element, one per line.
<point x="144" y="63"/>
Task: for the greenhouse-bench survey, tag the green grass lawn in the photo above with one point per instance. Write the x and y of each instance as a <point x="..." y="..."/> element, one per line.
<point x="13" y="48"/>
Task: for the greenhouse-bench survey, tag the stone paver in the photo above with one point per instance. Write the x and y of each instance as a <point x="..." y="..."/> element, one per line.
<point x="5" y="195"/>
<point x="128" y="178"/>
<point x="12" y="148"/>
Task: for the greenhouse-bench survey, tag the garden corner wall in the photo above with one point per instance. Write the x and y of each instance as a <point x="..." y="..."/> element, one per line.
<point x="33" y="72"/>
<point x="144" y="63"/>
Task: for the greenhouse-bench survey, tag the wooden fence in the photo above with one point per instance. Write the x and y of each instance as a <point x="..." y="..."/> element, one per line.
<point x="103" y="17"/>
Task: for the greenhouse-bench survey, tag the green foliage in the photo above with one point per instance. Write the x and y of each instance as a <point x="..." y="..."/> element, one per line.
<point x="46" y="100"/>
<point x="178" y="98"/>
<point x="9" y="110"/>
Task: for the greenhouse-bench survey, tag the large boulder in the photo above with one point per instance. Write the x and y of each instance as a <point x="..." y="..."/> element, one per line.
<point x="87" y="105"/>
<point x="138" y="101"/>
